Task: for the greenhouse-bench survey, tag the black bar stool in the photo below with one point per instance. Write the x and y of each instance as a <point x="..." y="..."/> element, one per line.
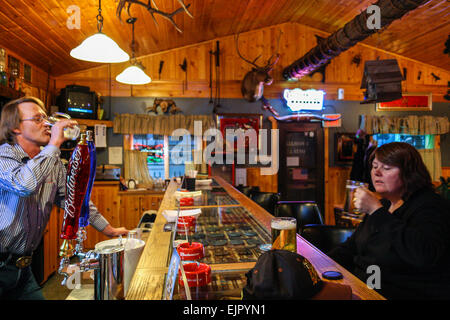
<point x="326" y="237"/>
<point x="267" y="200"/>
<point x="306" y="212"/>
<point x="247" y="190"/>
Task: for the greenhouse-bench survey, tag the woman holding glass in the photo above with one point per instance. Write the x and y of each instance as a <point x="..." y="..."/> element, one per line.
<point x="405" y="236"/>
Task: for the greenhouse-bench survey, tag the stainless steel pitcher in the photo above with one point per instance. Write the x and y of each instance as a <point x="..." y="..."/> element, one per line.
<point x="109" y="277"/>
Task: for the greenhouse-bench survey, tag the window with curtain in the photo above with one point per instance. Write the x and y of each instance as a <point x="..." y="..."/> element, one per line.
<point x="420" y="131"/>
<point x="143" y="163"/>
<point x="180" y="152"/>
<point x="417" y="141"/>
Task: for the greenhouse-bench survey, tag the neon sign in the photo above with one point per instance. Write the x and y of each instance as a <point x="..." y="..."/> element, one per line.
<point x="298" y="99"/>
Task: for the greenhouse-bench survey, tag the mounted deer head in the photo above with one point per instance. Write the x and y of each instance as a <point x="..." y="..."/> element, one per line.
<point x="153" y="9"/>
<point x="252" y="86"/>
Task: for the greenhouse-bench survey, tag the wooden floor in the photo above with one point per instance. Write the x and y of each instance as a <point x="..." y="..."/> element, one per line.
<point x="53" y="290"/>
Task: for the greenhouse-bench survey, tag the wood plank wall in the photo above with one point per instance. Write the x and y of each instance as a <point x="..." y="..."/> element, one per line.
<point x="295" y="41"/>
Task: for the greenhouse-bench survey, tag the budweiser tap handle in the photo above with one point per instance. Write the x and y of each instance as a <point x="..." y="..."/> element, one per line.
<point x="84" y="216"/>
<point x="76" y="184"/>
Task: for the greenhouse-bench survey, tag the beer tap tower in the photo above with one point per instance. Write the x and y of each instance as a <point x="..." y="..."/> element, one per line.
<point x="79" y="181"/>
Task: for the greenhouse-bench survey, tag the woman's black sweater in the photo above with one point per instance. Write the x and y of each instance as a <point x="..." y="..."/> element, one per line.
<point x="411" y="247"/>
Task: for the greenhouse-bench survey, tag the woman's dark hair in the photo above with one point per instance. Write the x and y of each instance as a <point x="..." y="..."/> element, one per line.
<point x="10" y="118"/>
<point x="413" y="172"/>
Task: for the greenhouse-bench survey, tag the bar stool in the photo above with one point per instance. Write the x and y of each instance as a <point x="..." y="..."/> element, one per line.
<point x="267" y="200"/>
<point x="147" y="217"/>
<point x="306" y="212"/>
<point x="247" y="190"/>
<point x="326" y="237"/>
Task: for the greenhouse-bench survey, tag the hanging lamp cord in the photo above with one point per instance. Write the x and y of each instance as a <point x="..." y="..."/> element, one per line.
<point x="99" y="17"/>
<point x="131" y="21"/>
<point x="132" y="39"/>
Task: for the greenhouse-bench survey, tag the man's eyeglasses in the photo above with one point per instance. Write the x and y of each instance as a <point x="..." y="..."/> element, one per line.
<point x="37" y="119"/>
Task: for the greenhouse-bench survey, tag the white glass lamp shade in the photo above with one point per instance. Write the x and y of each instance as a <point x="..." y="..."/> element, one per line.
<point x="99" y="48"/>
<point x="133" y="75"/>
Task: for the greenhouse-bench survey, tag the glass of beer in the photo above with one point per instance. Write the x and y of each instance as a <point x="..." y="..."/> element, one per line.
<point x="350" y="189"/>
<point x="284" y="231"/>
<point x="69" y="133"/>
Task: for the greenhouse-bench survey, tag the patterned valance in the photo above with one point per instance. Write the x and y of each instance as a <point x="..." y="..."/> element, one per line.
<point x="162" y="125"/>
<point x="408" y="124"/>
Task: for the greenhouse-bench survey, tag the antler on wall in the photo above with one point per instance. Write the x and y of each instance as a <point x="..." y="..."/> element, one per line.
<point x="153" y="9"/>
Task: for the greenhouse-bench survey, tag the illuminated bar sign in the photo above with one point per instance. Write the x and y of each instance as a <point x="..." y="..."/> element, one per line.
<point x="298" y="99"/>
<point x="408" y="102"/>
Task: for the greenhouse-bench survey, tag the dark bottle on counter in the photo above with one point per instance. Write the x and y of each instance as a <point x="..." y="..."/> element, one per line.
<point x="84" y="216"/>
<point x="76" y="184"/>
<point x="12" y="82"/>
<point x="3" y="77"/>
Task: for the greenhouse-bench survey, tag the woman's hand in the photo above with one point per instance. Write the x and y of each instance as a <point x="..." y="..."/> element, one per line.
<point x="366" y="201"/>
<point x="114" y="232"/>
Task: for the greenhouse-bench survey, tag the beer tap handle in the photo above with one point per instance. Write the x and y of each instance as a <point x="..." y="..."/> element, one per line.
<point x="89" y="262"/>
<point x="65" y="252"/>
<point x="81" y="236"/>
<point x="63" y="264"/>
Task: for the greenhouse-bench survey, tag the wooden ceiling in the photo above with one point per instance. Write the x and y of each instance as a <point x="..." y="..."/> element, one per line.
<point x="37" y="30"/>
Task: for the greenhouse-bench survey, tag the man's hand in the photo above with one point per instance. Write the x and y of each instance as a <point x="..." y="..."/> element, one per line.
<point x="366" y="201"/>
<point x="57" y="137"/>
<point x="114" y="232"/>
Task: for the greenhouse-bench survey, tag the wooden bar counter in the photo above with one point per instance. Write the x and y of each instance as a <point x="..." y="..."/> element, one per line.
<point x="148" y="280"/>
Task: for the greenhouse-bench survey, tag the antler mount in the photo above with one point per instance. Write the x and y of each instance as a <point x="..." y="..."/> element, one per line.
<point x="153" y="9"/>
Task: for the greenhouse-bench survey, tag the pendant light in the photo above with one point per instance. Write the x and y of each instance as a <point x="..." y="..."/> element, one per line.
<point x="99" y="47"/>
<point x="134" y="74"/>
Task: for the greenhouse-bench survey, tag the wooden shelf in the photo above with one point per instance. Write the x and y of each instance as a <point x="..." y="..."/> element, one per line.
<point x="91" y="123"/>
<point x="10" y="93"/>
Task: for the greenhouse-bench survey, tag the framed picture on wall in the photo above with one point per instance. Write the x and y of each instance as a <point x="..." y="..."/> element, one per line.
<point x="345" y="147"/>
<point x="14" y="66"/>
<point x="27" y="73"/>
<point x="239" y="122"/>
<point x="408" y="102"/>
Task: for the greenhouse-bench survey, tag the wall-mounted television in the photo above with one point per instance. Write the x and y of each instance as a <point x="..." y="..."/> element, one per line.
<point x="78" y="102"/>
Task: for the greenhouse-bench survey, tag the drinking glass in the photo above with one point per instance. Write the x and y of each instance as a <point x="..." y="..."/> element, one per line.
<point x="350" y="189"/>
<point x="69" y="133"/>
<point x="284" y="231"/>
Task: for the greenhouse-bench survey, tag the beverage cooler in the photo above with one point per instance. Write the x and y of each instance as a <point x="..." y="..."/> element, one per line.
<point x="301" y="170"/>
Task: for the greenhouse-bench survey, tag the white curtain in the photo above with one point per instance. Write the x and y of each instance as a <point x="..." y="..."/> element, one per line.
<point x="163" y="125"/>
<point x="407" y="125"/>
<point x="432" y="159"/>
<point x="135" y="167"/>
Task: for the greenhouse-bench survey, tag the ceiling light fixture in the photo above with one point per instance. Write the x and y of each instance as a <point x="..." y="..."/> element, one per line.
<point x="134" y="74"/>
<point x="99" y="47"/>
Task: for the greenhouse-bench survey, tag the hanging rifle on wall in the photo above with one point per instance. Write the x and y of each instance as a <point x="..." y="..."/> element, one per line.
<point x="184" y="68"/>
<point x="161" y="64"/>
<point x="216" y="54"/>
